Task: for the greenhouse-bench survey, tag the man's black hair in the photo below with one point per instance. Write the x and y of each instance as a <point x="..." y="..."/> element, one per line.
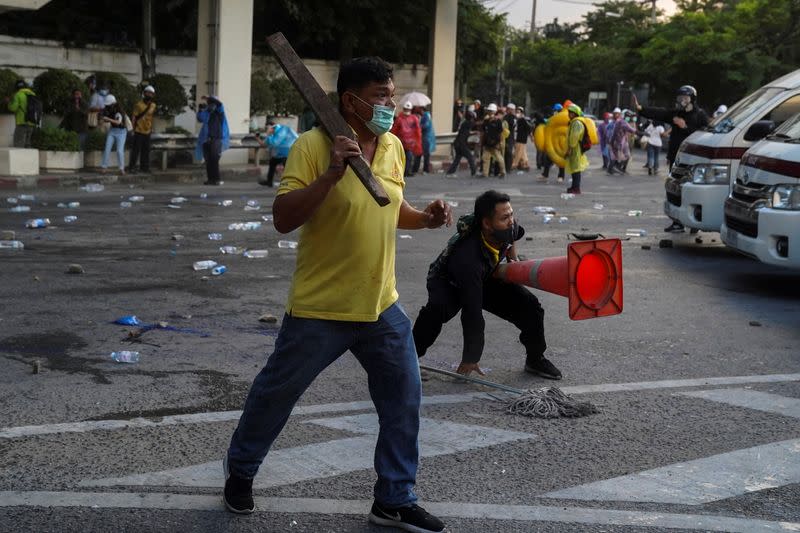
<point x="361" y="71"/>
<point x="486" y="203"/>
<point x="20" y="84"/>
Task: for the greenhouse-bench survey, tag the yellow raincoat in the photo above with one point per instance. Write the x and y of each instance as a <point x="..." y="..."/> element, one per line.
<point x="576" y="160"/>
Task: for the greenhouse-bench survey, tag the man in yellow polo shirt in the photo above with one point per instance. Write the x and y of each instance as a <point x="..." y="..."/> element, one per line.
<point x="343" y="297"/>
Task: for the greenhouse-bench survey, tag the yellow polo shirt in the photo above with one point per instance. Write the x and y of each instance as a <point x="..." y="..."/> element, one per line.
<point x="346" y="251"/>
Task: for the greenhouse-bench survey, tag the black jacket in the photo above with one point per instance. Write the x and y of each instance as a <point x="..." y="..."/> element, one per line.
<point x="695" y="119"/>
<point x="466" y="264"/>
<point x="523" y="130"/>
<point x="464" y="130"/>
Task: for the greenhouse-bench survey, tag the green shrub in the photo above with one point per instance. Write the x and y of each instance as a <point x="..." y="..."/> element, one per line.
<point x="287" y="100"/>
<point x="170" y="96"/>
<point x="54" y="88"/>
<point x="261" y="97"/>
<point x="95" y="141"/>
<point x="177" y="130"/>
<point x="8" y="78"/>
<point x="124" y="91"/>
<point x="55" y="140"/>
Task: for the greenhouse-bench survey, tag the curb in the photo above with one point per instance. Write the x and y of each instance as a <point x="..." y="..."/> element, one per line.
<point x="186" y="176"/>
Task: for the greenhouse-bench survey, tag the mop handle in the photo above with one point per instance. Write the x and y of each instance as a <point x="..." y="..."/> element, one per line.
<point x="473" y="380"/>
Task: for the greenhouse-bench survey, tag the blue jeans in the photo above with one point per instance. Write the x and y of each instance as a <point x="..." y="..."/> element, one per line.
<point x="652" y="156"/>
<point x="303" y="349"/>
<point x="115" y="136"/>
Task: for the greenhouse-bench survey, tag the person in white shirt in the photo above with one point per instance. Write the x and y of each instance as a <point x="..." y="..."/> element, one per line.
<point x="654" y="131"/>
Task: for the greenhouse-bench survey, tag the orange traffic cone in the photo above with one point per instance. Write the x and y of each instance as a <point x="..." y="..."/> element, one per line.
<point x="590" y="275"/>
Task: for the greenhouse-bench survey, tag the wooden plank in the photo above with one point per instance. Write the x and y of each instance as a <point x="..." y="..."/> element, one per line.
<point x="330" y="118"/>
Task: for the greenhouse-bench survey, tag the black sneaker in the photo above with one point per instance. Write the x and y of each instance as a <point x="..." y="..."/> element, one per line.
<point x="238" y="494"/>
<point x="675" y="227"/>
<point x="542" y="367"/>
<point x="412" y="518"/>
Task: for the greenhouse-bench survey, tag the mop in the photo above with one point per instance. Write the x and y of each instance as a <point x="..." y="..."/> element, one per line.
<point x="547" y="402"/>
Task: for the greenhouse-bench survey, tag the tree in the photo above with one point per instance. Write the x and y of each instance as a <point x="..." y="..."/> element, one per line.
<point x="479" y="41"/>
<point x="54" y="87"/>
<point x="170" y="95"/>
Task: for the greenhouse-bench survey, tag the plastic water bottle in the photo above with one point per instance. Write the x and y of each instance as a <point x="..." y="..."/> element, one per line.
<point x="215" y="236"/>
<point x="219" y="270"/>
<point x="203" y="195"/>
<point x="287" y="244"/>
<point x="567" y="196"/>
<point x="70" y="219"/>
<point x="125" y="356"/>
<point x="73" y="205"/>
<point x="266" y="218"/>
<point x="204" y="265"/>
<point x="546" y="219"/>
<point x="598" y="206"/>
<point x="634" y="213"/>
<point x="11" y="245"/>
<point x="125" y="205"/>
<point x="12" y="200"/>
<point x="563" y="220"/>
<point x="230" y="250"/>
<point x="26" y="197"/>
<point x="178" y="200"/>
<point x="37" y="223"/>
<point x="20" y="209"/>
<point x="226" y="203"/>
<point x="252" y="205"/>
<point x="256" y="254"/>
<point x="635" y="232"/>
<point x="93" y="187"/>
<point x="136" y="198"/>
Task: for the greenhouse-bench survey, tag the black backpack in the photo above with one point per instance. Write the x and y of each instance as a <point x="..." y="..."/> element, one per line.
<point x="34" y="110"/>
<point x="586" y="142"/>
<point x="493" y="132"/>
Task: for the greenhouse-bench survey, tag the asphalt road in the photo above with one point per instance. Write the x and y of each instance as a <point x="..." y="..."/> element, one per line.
<point x="703" y="436"/>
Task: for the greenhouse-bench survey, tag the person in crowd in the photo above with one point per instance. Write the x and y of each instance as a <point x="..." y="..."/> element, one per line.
<point x="524" y="132"/>
<point x="307" y="120"/>
<point x="576" y="160"/>
<point x="114" y="117"/>
<point x="76" y="117"/>
<point x="547" y="163"/>
<point x="18" y="104"/>
<point x="721" y="110"/>
<point x="97" y="105"/>
<point x="461" y="279"/>
<point x="491" y="140"/>
<point x="343" y="297"/>
<point x="428" y="140"/>
<point x="479" y="110"/>
<point x="510" y="118"/>
<point x="458" y="113"/>
<point x="602" y="134"/>
<point x="620" y="144"/>
<point x="684" y="118"/>
<point x="142" y="119"/>
<point x="654" y="131"/>
<point x="214" y="137"/>
<point x="406" y="127"/>
<point x="279" y="138"/>
<point x="461" y="145"/>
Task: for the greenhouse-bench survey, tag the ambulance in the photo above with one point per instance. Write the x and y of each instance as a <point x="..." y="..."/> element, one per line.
<point x="708" y="160"/>
<point x="762" y="212"/>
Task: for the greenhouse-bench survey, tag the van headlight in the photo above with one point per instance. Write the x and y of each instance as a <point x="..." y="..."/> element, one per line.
<point x="711" y="174"/>
<point x="786" y="196"/>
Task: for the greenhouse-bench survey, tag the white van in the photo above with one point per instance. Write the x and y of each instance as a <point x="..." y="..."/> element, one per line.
<point x="708" y="160"/>
<point x="762" y="213"/>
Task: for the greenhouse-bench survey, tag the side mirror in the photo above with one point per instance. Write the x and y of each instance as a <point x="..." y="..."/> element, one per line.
<point x="759" y="130"/>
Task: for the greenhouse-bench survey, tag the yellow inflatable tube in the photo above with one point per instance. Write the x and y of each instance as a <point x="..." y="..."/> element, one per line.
<point x="552" y="137"/>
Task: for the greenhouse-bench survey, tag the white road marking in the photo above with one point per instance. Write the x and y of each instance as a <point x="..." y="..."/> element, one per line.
<point x="225" y="416"/>
<point x="463" y="510"/>
<point x="700" y="481"/>
<point x="751" y="399"/>
<point x="327" y="459"/>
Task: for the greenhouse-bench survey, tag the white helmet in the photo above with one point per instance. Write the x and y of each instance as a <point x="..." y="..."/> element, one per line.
<point x="492" y="107"/>
<point x="149" y="89"/>
<point x="110" y="100"/>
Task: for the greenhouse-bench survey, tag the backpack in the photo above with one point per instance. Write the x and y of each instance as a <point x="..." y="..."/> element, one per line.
<point x="34" y="110"/>
<point x="494" y="132"/>
<point x="586" y="142"/>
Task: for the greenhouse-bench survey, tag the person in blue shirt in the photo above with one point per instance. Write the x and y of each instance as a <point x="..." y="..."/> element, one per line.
<point x="214" y="137"/>
<point x="279" y="138"/>
<point x="428" y="140"/>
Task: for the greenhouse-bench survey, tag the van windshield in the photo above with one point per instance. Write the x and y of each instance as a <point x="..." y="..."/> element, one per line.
<point x="789" y="129"/>
<point x="743" y="109"/>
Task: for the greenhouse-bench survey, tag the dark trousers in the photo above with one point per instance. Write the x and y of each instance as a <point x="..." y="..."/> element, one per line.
<point x="140" y="151"/>
<point x="508" y="155"/>
<point x="462" y="151"/>
<point x="509" y="301"/>
<point x="576" y="180"/>
<point x="548" y="164"/>
<point x="424" y="158"/>
<point x="409" y="163"/>
<point x="273" y="165"/>
<point x="212" y="150"/>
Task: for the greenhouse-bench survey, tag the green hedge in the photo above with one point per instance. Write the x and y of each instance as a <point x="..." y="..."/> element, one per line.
<point x="55" y="139"/>
<point x="8" y="78"/>
<point x="95" y="141"/>
<point x="54" y="88"/>
<point x="170" y="95"/>
<point x="177" y="130"/>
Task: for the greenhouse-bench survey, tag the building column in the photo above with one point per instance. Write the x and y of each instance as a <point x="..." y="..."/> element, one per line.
<point x="224" y="59"/>
<point x="442" y="69"/>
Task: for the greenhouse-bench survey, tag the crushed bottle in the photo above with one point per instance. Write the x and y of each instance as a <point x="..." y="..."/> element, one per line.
<point x="37" y="223"/>
<point x="73" y="205"/>
<point x="543" y="210"/>
<point x="219" y="270"/>
<point x="93" y="187"/>
<point x="215" y="236"/>
<point x="563" y="220"/>
<point x="20" y="209"/>
<point x="125" y="356"/>
<point x="203" y="195"/>
<point x="26" y="197"/>
<point x="567" y="196"/>
<point x="252" y="205"/>
<point x="266" y="218"/>
<point x="12" y="200"/>
<point x="635" y="232"/>
<point x="69" y="219"/>
<point x="287" y="244"/>
<point x="244" y="226"/>
<point x="125" y="205"/>
<point x="634" y="213"/>
<point x="178" y="200"/>
<point x="230" y="250"/>
<point x="11" y="245"/>
<point x="135" y="198"/>
<point x="226" y="203"/>
<point x="598" y="206"/>
<point x="546" y="219"/>
<point x="204" y="265"/>
<point x="255" y="254"/>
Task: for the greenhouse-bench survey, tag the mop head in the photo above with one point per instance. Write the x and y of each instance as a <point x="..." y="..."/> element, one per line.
<point x="549" y="402"/>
